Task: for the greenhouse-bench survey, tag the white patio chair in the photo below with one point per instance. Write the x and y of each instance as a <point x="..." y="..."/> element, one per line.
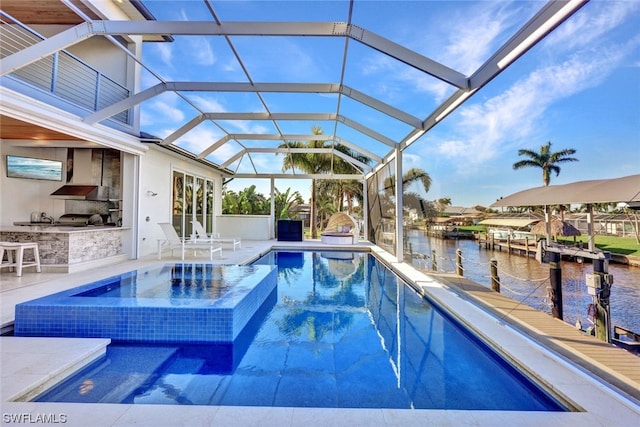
<point x="203" y="236"/>
<point x="173" y="241"/>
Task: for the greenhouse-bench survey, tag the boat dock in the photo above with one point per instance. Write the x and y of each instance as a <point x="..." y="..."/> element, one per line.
<point x="615" y="365"/>
<point x="449" y="233"/>
<point x="529" y="247"/>
<point x="525" y="246"/>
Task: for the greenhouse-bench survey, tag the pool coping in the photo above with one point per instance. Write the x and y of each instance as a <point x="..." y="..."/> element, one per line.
<point x="601" y="404"/>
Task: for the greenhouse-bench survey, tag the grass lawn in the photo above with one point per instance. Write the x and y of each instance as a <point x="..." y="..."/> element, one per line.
<point x="613" y="244"/>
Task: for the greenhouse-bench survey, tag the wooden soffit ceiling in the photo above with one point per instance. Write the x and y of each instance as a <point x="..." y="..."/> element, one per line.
<point x="11" y="128"/>
<point x="42" y="12"/>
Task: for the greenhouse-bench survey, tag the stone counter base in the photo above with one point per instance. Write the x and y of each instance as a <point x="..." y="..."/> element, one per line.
<point x="82" y="266"/>
<point x="72" y="251"/>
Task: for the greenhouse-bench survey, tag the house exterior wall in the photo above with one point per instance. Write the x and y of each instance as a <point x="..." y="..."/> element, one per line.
<point x="156" y="170"/>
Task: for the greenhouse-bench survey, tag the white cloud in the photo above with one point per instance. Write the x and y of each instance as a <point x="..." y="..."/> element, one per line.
<point x="583" y="29"/>
<point x="164" y="52"/>
<point x="160" y="112"/>
<point x="199" y="138"/>
<point x="208" y="105"/>
<point x="225" y="152"/>
<point x="244" y="126"/>
<point x="463" y="45"/>
<point x="201" y="51"/>
<point x="483" y="130"/>
<point x="425" y="83"/>
<point x="411" y="161"/>
<point x="473" y="37"/>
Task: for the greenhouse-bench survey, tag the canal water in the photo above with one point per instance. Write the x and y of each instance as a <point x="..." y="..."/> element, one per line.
<point x="525" y="279"/>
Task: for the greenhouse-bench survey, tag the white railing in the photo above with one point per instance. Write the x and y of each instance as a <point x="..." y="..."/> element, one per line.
<point x="61" y="73"/>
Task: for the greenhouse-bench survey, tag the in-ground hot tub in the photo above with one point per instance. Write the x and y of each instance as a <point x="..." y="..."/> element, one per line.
<point x="173" y="303"/>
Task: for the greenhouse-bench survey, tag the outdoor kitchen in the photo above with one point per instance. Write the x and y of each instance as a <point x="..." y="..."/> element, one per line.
<point x="90" y="230"/>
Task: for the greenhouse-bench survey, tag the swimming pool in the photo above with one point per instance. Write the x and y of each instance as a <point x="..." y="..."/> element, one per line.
<point x="345" y="332"/>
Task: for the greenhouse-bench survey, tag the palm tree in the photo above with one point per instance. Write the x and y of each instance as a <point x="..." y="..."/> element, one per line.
<point x="416" y="175"/>
<point x="546" y="160"/>
<point x="317" y="163"/>
<point x="311" y="163"/>
<point x="443" y="202"/>
<point x="411" y="199"/>
<point x="246" y="202"/>
<point x="286" y="203"/>
<point x="252" y="202"/>
<point x="413" y="175"/>
<point x="230" y="202"/>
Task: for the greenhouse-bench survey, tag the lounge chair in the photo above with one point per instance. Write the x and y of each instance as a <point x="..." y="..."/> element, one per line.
<point x="341" y="229"/>
<point x="201" y="235"/>
<point x="173" y="241"/>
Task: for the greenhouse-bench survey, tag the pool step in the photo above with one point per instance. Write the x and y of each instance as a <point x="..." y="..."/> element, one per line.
<point x="32" y="365"/>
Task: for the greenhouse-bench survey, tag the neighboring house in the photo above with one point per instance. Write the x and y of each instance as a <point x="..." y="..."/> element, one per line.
<point x="462" y="215"/>
<point x="461" y="211"/>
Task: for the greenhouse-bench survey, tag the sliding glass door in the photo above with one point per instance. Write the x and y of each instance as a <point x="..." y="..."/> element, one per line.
<point x="192" y="201"/>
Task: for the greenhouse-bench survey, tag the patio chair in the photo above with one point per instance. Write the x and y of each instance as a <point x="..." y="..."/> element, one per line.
<point x="341" y="229"/>
<point x="173" y="241"/>
<point x="201" y="235"/>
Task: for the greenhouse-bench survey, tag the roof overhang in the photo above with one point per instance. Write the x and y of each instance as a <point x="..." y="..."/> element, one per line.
<point x="624" y="189"/>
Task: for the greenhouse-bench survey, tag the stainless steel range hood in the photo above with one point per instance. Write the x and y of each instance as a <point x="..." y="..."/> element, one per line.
<point x="82" y="192"/>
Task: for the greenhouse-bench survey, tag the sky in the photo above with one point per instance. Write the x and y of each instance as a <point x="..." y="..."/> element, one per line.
<point x="579" y="88"/>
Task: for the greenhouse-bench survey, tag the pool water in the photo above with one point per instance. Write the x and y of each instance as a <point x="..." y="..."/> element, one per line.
<point x="343" y="332"/>
<point x="174" y="281"/>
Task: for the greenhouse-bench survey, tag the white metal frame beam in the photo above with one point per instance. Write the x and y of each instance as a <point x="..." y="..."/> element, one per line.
<point x="333" y="151"/>
<point x="278" y="116"/>
<point x="287" y="137"/>
<point x="357" y="177"/>
<point x="257" y="28"/>
<point x="546" y="20"/>
<point x="208" y="28"/>
<point x="160" y="88"/>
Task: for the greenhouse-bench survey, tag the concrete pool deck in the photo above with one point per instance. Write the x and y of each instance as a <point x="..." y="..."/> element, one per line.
<point x="29" y="363"/>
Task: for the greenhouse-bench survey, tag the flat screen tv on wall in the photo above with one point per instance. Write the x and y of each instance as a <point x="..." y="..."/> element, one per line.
<point x="32" y="168"/>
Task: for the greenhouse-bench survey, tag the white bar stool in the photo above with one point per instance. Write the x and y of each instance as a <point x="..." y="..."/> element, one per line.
<point x="18" y="260"/>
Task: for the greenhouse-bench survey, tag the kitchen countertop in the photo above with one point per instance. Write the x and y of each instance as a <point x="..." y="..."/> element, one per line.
<point x="27" y="227"/>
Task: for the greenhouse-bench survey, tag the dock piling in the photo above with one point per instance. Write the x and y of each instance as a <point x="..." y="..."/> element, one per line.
<point x="459" y="268"/>
<point x="555" y="288"/>
<point x="434" y="261"/>
<point x="495" y="279"/>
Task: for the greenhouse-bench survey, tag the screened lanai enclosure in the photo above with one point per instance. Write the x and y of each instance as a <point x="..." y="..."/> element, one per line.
<point x="310" y="90"/>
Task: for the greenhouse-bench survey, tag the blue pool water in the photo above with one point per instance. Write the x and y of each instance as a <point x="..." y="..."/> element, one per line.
<point x="340" y="331"/>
